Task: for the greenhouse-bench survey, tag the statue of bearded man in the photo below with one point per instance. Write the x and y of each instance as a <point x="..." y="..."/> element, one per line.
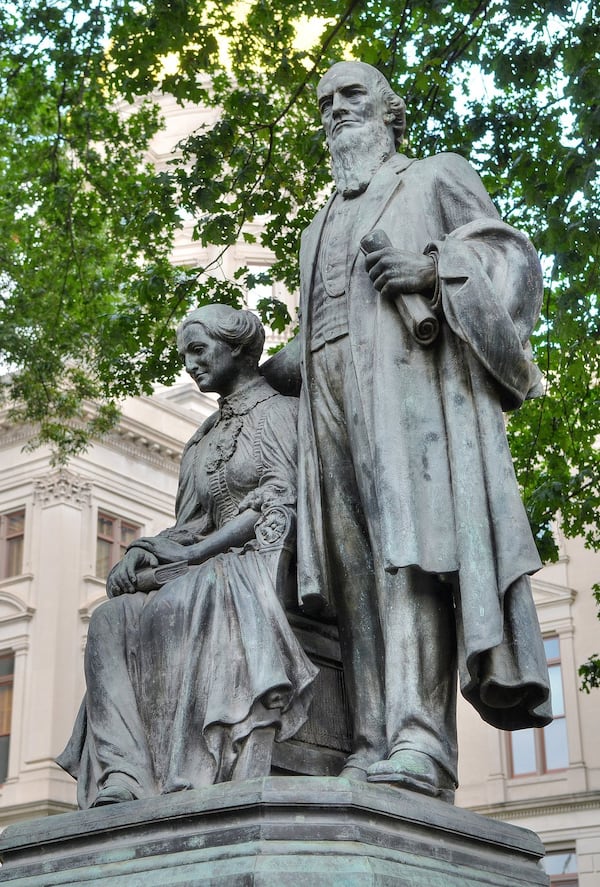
<point x="410" y="521"/>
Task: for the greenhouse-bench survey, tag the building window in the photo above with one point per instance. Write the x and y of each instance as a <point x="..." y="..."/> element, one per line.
<point x="562" y="868"/>
<point x="114" y="535"/>
<point x="12" y="534"/>
<point x="7" y="667"/>
<point x="533" y="752"/>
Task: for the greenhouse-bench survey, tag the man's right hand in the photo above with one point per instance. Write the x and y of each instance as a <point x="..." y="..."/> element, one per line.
<point x="121" y="579"/>
<point x="396" y="272"/>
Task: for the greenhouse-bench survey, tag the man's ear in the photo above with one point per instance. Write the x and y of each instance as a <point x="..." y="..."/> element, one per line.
<point x="237" y="350"/>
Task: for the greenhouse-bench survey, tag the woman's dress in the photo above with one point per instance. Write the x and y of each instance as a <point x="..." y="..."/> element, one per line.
<point x="177" y="679"/>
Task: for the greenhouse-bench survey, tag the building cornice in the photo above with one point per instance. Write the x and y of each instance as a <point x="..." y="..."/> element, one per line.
<point x="14" y="434"/>
<point x="131" y="437"/>
<point x="548" y="594"/>
<point x="33" y="810"/>
<point x="141" y="444"/>
<point x="554" y="806"/>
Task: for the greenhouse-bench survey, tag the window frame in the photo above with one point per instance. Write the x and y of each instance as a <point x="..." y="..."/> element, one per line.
<point x="562" y="879"/>
<point x="539" y="739"/>
<point x="8" y="681"/>
<point x="117" y="545"/>
<point x="6" y="540"/>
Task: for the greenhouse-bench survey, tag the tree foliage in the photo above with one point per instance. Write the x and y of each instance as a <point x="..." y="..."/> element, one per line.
<point x="88" y="293"/>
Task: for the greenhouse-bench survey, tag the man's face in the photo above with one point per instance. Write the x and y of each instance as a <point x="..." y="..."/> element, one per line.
<point x="348" y="99"/>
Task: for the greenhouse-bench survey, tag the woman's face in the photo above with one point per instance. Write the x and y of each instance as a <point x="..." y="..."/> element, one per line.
<point x="210" y="362"/>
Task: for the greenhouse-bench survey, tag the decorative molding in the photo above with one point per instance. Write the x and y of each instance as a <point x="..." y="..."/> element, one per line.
<point x="138" y="442"/>
<point x="554" y="805"/>
<point x="547" y="594"/>
<point x="12" y="813"/>
<point x="62" y="486"/>
<point x="136" y="445"/>
<point x="11" y="434"/>
<point x="13" y="609"/>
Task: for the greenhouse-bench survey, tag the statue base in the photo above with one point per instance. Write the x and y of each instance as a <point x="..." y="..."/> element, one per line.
<point x="317" y="831"/>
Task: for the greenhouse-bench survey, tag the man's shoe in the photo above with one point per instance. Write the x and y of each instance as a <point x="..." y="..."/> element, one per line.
<point x="357" y="774"/>
<point x="415" y="771"/>
<point x="113" y="794"/>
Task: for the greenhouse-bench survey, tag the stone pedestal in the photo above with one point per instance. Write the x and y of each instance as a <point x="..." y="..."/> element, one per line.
<point x="272" y="832"/>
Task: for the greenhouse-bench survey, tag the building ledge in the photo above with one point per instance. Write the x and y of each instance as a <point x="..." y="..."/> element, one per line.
<point x="556" y="804"/>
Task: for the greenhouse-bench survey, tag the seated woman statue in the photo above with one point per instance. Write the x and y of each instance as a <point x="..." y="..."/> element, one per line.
<point x="189" y="683"/>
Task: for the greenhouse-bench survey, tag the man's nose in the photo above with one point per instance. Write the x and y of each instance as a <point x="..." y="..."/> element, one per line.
<point x="338" y="103"/>
<point x="190" y="362"/>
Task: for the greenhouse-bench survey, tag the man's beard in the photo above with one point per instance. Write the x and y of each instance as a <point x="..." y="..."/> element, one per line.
<point x="357" y="153"/>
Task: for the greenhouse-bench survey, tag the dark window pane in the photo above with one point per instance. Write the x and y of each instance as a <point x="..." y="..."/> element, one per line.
<point x="4" y="744"/>
<point x="128" y="534"/>
<point x="15" y="523"/>
<point x="14" y="556"/>
<point x="105" y="526"/>
<point x="523" y="752"/>
<point x="12" y="527"/>
<point x="114" y="536"/>
<point x="555" y="738"/>
<point x="7" y="665"/>
<point x="103" y="555"/>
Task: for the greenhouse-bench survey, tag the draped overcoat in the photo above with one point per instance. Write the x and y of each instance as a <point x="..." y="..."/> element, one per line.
<point x="446" y="496"/>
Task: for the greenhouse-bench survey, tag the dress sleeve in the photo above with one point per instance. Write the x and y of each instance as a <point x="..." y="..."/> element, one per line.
<point x="276" y="451"/>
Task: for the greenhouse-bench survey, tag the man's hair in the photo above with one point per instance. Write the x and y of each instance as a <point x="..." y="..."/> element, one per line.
<point x="235" y="327"/>
<point x="396" y="108"/>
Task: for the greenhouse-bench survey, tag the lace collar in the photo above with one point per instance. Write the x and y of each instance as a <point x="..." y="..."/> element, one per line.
<point x="245" y="399"/>
<point x="221" y="442"/>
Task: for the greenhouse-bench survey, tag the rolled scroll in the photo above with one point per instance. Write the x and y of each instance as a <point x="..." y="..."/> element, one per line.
<point x="413" y="308"/>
